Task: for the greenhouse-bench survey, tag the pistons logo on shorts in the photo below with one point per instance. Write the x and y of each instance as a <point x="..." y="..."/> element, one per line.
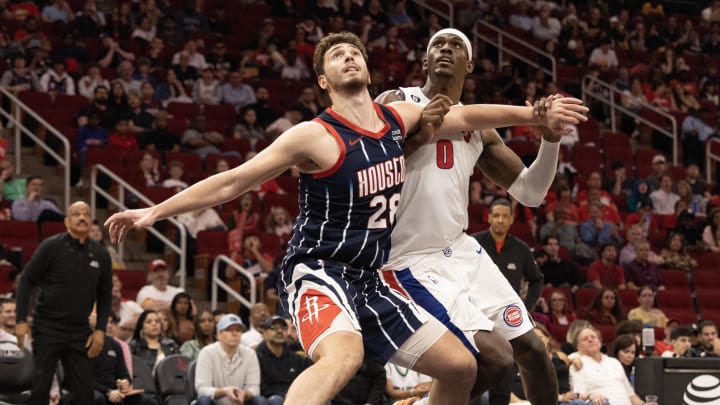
<point x="513" y="316"/>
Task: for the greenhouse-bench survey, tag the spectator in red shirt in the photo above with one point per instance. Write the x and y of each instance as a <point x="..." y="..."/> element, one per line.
<point x="605" y="308"/>
<point x="605" y="272"/>
<point x="122" y="138"/>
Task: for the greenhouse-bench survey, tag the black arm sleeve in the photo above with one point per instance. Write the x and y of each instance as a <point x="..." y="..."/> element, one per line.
<point x="31" y="276"/>
<point x="104" y="291"/>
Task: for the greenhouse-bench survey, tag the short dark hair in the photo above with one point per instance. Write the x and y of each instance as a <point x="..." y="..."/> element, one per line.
<point x="546" y="239"/>
<point x="605" y="246"/>
<point x="629" y="328"/>
<point x="501" y="201"/>
<point x="328" y="42"/>
<point x="679" y="332"/>
<point x="705" y="324"/>
<point x="4" y="301"/>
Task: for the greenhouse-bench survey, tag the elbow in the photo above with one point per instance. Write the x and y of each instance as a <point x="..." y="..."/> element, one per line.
<point x="530" y="200"/>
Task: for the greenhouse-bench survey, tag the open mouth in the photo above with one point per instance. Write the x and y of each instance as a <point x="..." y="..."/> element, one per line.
<point x="444" y="59"/>
<point x="351" y="68"/>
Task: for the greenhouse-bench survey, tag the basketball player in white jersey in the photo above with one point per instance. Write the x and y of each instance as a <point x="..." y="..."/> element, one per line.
<point x="436" y="263"/>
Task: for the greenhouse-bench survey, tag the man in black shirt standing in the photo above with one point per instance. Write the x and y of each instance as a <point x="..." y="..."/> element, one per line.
<point x="73" y="272"/>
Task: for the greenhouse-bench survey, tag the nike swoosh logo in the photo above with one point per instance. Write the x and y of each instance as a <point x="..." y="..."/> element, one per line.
<point x="479" y="251"/>
<point x="352" y="142"/>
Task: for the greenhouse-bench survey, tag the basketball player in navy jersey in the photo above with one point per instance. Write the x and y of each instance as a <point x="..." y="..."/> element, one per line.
<point x="352" y="168"/>
<point x="432" y="259"/>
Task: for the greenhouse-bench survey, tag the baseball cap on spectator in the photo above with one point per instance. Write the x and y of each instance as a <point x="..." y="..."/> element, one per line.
<point x="227" y="321"/>
<point x="658" y="159"/>
<point x="157" y="264"/>
<point x="272" y="319"/>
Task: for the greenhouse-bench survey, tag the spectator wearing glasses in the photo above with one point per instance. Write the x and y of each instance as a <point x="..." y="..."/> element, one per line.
<point x="278" y="364"/>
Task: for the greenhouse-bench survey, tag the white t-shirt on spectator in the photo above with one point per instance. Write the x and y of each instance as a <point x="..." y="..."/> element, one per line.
<point x="128" y="310"/>
<point x="251" y="338"/>
<point x="606" y="377"/>
<point x="403" y="378"/>
<point x="149" y="291"/>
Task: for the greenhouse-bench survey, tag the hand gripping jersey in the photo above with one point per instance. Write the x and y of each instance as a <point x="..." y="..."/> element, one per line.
<point x="433" y="209"/>
<point x="347" y="212"/>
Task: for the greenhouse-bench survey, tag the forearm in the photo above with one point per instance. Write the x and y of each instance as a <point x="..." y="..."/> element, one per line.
<point x="533" y="183"/>
<point x="533" y="294"/>
<point x="212" y="191"/>
<point x="480" y="116"/>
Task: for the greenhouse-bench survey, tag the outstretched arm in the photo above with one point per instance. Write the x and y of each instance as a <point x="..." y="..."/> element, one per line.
<point x="303" y="145"/>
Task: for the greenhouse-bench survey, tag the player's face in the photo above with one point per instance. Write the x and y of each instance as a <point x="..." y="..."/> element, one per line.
<point x="448" y="56"/>
<point x="500" y="219"/>
<point x="345" y="69"/>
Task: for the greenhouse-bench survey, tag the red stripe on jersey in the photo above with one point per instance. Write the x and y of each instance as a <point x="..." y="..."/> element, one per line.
<point x="392" y="281"/>
<point x="340" y="142"/>
<point x="316" y="314"/>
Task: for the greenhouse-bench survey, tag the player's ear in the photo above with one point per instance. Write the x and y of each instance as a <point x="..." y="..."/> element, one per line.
<point x="424" y="64"/>
<point x="470" y="66"/>
<point x="322" y="82"/>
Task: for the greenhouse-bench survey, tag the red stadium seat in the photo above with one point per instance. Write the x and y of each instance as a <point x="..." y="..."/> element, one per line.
<point x="212" y="243"/>
<point x="20" y="234"/>
<point x="51" y="228"/>
<point x="673" y="279"/>
<point x="628" y="298"/>
<point x="583" y="297"/>
<point x="132" y="281"/>
<point x="674" y="299"/>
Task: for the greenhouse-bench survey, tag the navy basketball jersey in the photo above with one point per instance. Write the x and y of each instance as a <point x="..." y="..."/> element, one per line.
<point x="347" y="212"/>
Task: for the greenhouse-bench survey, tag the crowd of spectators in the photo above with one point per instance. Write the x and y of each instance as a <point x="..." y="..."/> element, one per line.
<point x="163" y="80"/>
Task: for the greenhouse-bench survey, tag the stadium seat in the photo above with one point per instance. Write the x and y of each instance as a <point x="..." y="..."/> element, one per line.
<point x="583" y="297"/>
<point x="616" y="140"/>
<point x="143" y="376"/>
<point x="170" y="377"/>
<point x="628" y="298"/>
<point x="36" y="100"/>
<point x="673" y="279"/>
<point x="16" y="375"/>
<point x="547" y="291"/>
<point x="5" y="281"/>
<point x="607" y="332"/>
<point x="20" y="234"/>
<point x="190" y="391"/>
<point x="51" y="228"/>
<point x="674" y="299"/>
<point x="220" y="112"/>
<point x="212" y="243"/>
<point x="132" y="281"/>
<point x="707" y="298"/>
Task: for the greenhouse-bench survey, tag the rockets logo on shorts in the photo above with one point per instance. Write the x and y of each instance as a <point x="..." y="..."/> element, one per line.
<point x="513" y="316"/>
<point x="316" y="313"/>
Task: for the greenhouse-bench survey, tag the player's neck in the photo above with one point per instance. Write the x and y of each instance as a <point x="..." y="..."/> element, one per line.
<point x="358" y="108"/>
<point x="449" y="87"/>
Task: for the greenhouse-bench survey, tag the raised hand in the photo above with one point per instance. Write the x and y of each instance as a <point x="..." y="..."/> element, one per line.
<point x="562" y="111"/>
<point x="121" y="223"/>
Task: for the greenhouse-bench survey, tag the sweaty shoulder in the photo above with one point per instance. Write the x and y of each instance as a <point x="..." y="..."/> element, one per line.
<point x="389" y="96"/>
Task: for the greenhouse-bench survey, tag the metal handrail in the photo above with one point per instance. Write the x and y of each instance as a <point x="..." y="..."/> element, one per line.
<point x="123" y="185"/>
<point x="14" y="117"/>
<point x="709" y="157"/>
<point x="500" y="41"/>
<point x="588" y="83"/>
<point x="216" y="282"/>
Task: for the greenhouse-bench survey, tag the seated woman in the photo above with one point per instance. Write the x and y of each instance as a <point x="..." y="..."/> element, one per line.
<point x="558" y="309"/>
<point x="181" y="310"/>
<point x="204" y="326"/>
<point x="645" y="313"/>
<point x="602" y="378"/>
<point x="675" y="255"/>
<point x="148" y="343"/>
<point x="561" y="364"/>
<point x="625" y="349"/>
<point x="605" y="308"/>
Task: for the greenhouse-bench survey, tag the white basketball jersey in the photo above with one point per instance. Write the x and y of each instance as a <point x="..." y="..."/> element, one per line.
<point x="434" y="200"/>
